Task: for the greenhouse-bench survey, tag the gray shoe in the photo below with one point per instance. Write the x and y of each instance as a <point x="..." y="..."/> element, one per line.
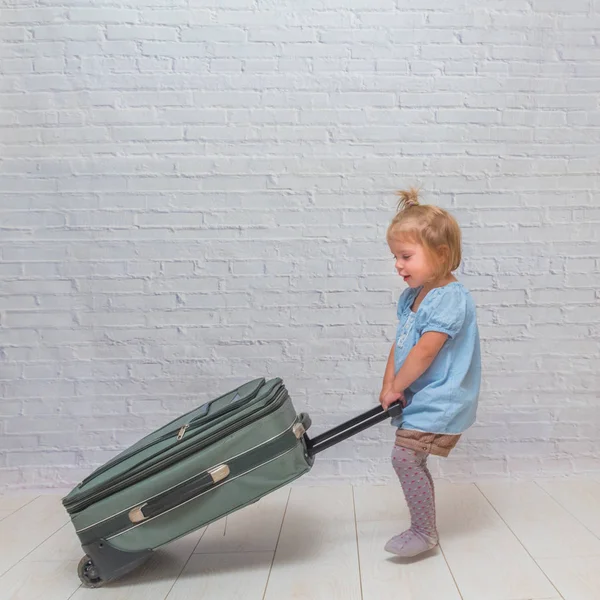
<point x="410" y="543"/>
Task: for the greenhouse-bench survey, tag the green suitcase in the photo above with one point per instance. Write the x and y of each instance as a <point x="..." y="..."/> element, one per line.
<point x="212" y="461"/>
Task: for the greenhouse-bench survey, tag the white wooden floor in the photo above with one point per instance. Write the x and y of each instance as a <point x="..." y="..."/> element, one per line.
<point x="499" y="541"/>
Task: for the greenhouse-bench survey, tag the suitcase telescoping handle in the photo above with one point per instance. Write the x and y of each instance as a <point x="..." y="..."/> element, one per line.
<point x="349" y="428"/>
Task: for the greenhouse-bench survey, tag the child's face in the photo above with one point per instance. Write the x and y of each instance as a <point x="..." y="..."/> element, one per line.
<point x="412" y="262"/>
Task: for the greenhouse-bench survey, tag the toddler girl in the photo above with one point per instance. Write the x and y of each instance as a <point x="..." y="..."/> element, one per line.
<point x="434" y="366"/>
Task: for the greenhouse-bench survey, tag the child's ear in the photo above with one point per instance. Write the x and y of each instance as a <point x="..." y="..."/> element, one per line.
<point x="443" y="251"/>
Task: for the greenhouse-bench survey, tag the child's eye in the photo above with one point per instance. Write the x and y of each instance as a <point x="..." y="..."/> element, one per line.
<point x="406" y="257"/>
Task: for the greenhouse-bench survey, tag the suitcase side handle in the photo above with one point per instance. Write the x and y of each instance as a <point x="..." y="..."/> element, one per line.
<point x="161" y="504"/>
<point x="351" y="427"/>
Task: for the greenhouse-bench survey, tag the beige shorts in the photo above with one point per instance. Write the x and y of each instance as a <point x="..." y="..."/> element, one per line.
<point x="439" y="444"/>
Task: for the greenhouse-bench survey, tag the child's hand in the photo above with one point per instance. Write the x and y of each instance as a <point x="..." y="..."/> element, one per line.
<point x="389" y="396"/>
<point x="384" y="390"/>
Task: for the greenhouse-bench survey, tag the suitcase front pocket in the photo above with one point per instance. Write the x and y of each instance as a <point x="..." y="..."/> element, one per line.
<point x="200" y="484"/>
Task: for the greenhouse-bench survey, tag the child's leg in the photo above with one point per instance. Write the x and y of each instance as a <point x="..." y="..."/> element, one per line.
<point x="428" y="474"/>
<point x="417" y="484"/>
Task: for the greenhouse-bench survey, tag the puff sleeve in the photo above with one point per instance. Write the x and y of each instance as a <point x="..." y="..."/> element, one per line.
<point x="443" y="310"/>
<point x="405" y="299"/>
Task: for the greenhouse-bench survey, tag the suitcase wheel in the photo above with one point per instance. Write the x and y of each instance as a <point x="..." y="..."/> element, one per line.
<point x="88" y="573"/>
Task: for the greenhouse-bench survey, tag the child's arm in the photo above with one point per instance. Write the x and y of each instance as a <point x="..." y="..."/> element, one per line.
<point x="388" y="377"/>
<point x="416" y="363"/>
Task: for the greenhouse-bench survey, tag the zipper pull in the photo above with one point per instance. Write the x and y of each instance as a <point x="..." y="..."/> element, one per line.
<point x="182" y="432"/>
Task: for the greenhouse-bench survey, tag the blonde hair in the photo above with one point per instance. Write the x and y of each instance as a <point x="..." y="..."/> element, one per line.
<point x="432" y="227"/>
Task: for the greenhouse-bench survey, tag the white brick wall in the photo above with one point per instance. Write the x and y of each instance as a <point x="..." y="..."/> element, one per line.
<point x="195" y="192"/>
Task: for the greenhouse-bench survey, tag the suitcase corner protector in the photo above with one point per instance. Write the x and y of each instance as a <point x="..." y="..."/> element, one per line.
<point x="136" y="515"/>
<point x="299" y="430"/>
<point x="219" y="473"/>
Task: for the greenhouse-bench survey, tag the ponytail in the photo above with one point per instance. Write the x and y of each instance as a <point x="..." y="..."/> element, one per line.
<point x="408" y="198"/>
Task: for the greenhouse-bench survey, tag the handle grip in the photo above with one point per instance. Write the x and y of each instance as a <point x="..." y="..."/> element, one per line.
<point x="351" y="427"/>
<point x="182" y="493"/>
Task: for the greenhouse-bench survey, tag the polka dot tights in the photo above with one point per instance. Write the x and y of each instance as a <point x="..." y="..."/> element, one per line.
<point x="417" y="485"/>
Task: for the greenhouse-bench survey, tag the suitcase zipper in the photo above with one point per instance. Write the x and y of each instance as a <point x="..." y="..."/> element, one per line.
<point x="120" y="458"/>
<point x="92" y="497"/>
<point x="182" y="432"/>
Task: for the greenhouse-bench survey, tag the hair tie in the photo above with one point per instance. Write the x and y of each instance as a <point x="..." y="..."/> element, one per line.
<point x="408" y="198"/>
